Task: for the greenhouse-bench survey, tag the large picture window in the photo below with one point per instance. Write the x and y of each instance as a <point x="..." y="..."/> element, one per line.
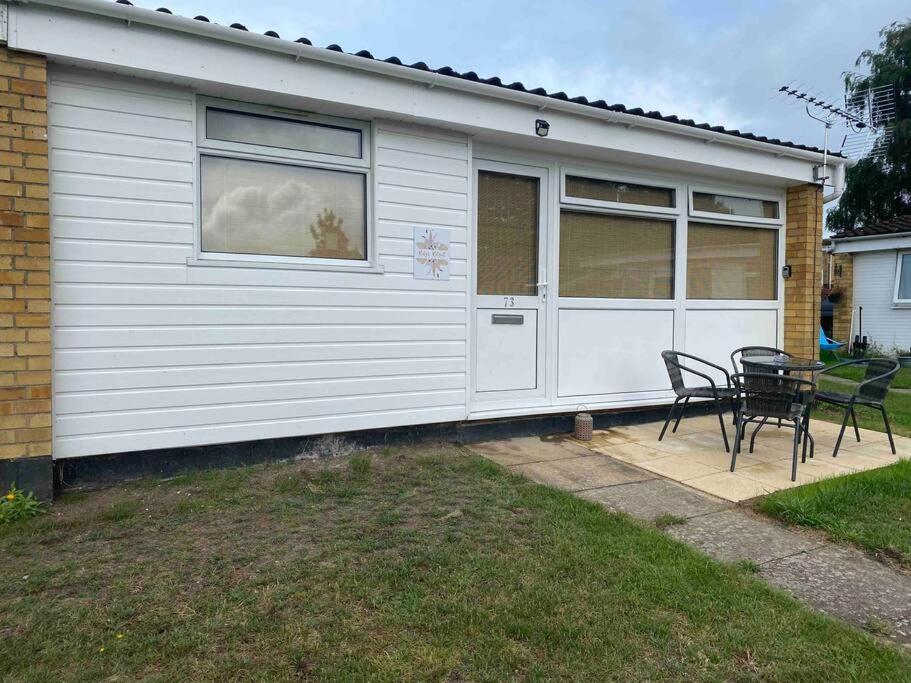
<point x="274" y="187"/>
<point x="616" y="257"/>
<point x="731" y="262"/>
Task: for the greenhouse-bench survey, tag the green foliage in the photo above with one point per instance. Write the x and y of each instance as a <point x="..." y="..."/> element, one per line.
<point x="870" y="509"/>
<point x="16" y="505"/>
<point x="667" y="519"/>
<point x="880" y="189"/>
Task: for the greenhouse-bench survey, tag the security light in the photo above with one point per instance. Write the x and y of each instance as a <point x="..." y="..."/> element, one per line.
<point x="542" y="128"/>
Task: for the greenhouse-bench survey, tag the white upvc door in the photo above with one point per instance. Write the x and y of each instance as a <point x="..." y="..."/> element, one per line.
<point x="510" y="281"/>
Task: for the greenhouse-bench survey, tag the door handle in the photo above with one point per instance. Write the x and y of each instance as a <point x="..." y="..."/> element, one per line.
<point x="542" y="285"/>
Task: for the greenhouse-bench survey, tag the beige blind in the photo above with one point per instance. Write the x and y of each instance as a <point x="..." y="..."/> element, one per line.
<point x="616" y="257"/>
<point x="613" y="191"/>
<point x="507" y="234"/>
<point x="734" y="206"/>
<point x="728" y="262"/>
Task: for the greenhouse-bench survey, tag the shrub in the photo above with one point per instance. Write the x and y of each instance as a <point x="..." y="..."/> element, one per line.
<point x="17" y="505"/>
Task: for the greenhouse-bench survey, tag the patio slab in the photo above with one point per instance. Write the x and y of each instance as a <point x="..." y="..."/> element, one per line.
<point x="521" y="451"/>
<point x="846" y="583"/>
<point x="578" y="474"/>
<point x="734" y="535"/>
<point x="651" y="499"/>
<point x="695" y="455"/>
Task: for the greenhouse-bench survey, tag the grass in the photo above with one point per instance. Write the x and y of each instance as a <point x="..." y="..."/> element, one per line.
<point x="411" y="564"/>
<point x="871" y="509"/>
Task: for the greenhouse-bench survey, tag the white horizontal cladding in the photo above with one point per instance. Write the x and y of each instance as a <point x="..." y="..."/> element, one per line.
<point x="714" y="333"/>
<point x="151" y="351"/>
<point x="230" y="69"/>
<point x="884" y="323"/>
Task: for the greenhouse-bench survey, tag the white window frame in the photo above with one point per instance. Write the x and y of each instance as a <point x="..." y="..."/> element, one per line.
<point x="618" y="178"/>
<point x="711" y="216"/>
<point x="207" y="147"/>
<point x="898" y="275"/>
<point x="596" y="206"/>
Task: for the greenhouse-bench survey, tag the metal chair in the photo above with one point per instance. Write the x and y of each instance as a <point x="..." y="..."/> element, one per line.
<point x="763" y="396"/>
<point x="675" y="370"/>
<point x="871" y="392"/>
<point x="749" y="352"/>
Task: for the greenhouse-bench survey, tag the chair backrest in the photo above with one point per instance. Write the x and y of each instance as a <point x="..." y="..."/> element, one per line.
<point x="882" y="371"/>
<point x="749" y="351"/>
<point x="773" y="395"/>
<point x="672" y="363"/>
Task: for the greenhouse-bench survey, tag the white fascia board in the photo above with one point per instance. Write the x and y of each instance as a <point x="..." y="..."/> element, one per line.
<point x="854" y="245"/>
<point x="228" y="62"/>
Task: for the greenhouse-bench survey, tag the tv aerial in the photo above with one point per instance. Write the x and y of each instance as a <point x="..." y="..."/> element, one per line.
<point x="867" y="119"/>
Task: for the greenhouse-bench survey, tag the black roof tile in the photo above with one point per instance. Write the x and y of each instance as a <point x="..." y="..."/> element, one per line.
<point x="893" y="226"/>
<point x="496" y="82"/>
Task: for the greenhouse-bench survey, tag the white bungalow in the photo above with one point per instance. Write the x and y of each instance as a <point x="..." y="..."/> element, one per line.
<point x="256" y="238"/>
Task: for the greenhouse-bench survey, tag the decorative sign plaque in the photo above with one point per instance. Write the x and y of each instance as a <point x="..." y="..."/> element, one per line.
<point x="431" y="254"/>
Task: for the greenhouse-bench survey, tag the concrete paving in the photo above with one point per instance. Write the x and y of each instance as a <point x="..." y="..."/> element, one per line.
<point x="839" y="581"/>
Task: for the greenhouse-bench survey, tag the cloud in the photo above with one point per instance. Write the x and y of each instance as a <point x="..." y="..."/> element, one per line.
<point x="259" y="209"/>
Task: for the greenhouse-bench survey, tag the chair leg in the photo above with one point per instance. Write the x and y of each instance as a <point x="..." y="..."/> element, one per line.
<point x="734" y="411"/>
<point x="670" y="414"/>
<point x="756" y="431"/>
<point x="841" y="432"/>
<point x="724" y="432"/>
<point x="854" y="420"/>
<point x="882" y="409"/>
<point x="686" y="402"/>
<point x="805" y="429"/>
<point x="738" y="437"/>
<point x="794" y="452"/>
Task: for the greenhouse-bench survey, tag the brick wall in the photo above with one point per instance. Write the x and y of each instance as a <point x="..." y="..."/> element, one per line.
<point x="844" y="282"/>
<point x="803" y="242"/>
<point x="25" y="343"/>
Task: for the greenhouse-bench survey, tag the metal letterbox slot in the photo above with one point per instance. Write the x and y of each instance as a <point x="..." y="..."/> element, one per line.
<point x="504" y="319"/>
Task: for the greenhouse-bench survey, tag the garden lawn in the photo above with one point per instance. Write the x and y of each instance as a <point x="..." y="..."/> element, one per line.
<point x="871" y="509"/>
<point x="421" y="563"/>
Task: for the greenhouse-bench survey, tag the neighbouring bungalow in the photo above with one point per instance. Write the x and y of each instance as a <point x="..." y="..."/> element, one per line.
<point x="869" y="270"/>
<point x="217" y="243"/>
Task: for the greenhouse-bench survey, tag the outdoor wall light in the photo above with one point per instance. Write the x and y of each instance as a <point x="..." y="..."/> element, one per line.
<point x="786" y="272"/>
<point x="542" y="128"/>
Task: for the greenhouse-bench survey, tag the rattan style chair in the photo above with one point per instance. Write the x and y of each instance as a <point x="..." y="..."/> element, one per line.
<point x="751" y="352"/>
<point x="763" y="396"/>
<point x="871" y="392"/>
<point x="673" y="360"/>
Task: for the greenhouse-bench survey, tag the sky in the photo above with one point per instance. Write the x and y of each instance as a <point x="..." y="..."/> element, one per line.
<point x="714" y="61"/>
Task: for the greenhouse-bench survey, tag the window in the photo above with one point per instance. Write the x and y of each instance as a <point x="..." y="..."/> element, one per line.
<point x="616" y="257"/>
<point x="903" y="278"/>
<point x="272" y="131"/>
<point x="618" y="192"/>
<point x="507" y="234"/>
<point x="707" y="202"/>
<point x="731" y="262"/>
<point x="278" y="188"/>
<point x="266" y="208"/>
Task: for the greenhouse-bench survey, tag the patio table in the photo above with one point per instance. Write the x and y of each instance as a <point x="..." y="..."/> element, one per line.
<point x="782" y="363"/>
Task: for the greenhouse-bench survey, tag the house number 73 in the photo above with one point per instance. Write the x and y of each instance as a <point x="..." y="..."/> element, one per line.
<point x="509" y="302"/>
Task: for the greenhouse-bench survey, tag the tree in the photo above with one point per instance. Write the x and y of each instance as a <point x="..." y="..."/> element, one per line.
<point x="877" y="189"/>
<point x="330" y="240"/>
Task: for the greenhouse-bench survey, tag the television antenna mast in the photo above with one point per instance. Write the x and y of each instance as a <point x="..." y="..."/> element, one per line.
<point x="866" y="117"/>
